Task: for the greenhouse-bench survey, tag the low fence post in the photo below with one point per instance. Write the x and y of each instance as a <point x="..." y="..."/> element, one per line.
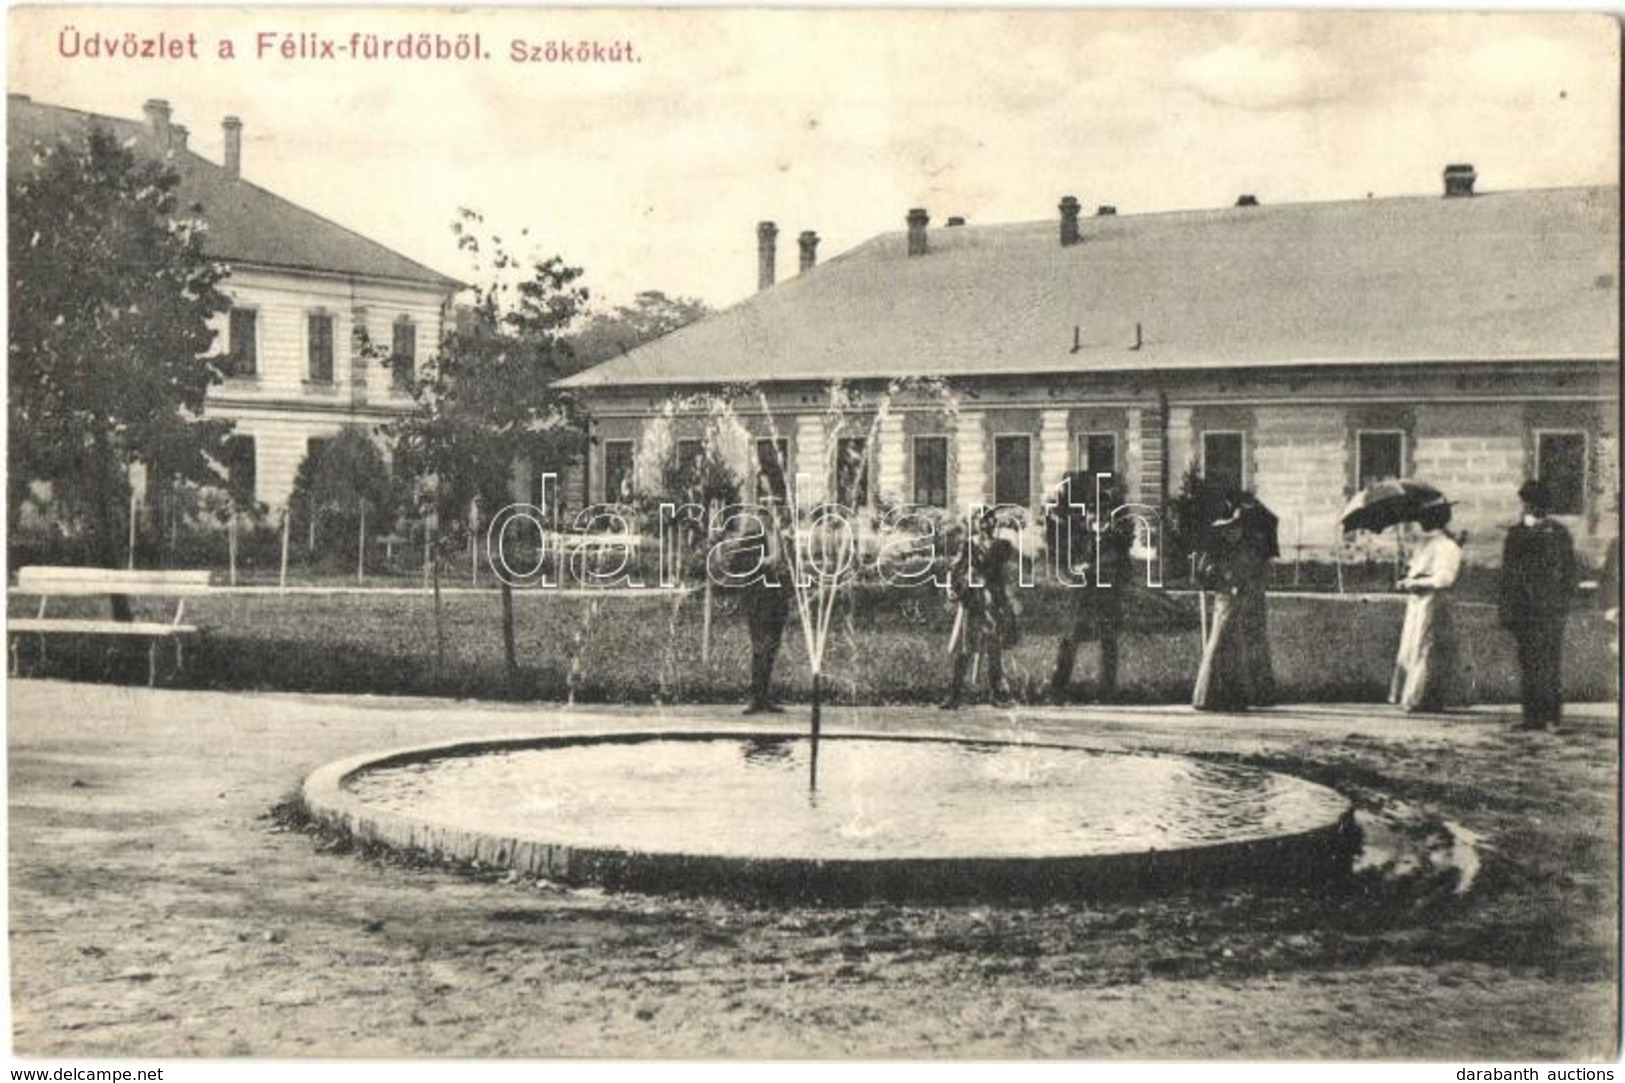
<point x="282" y="577"/>
<point x="134" y="503"/>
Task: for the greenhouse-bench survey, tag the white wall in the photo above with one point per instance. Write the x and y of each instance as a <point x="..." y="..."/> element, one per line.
<point x="279" y="406"/>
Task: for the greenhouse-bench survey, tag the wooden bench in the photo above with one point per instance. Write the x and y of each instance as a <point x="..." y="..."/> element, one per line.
<point x="597" y="543"/>
<point x="51" y="583"/>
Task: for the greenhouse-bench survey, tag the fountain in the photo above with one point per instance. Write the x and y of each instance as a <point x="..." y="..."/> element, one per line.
<point x="890" y="816"/>
<point x="894" y="817"/>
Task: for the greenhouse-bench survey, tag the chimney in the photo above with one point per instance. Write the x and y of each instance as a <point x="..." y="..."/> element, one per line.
<point x="956" y="220"/>
<point x="917" y="220"/>
<point x="178" y="135"/>
<point x="1069" y="221"/>
<point x="1247" y="201"/>
<point x="1458" y="179"/>
<point x="157" y="111"/>
<point x="809" y="249"/>
<point x="1105" y="210"/>
<point x="766" y="238"/>
<point x="234" y="147"/>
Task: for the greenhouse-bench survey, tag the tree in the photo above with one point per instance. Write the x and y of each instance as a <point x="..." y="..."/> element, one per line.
<point x="709" y="472"/>
<point x="651" y="315"/>
<point x="342" y="486"/>
<point x="485" y="400"/>
<point x="111" y="297"/>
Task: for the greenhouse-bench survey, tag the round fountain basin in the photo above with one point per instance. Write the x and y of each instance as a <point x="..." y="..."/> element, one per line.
<point x="890" y="817"/>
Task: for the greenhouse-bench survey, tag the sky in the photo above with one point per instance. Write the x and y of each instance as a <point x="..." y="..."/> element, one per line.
<point x="653" y="174"/>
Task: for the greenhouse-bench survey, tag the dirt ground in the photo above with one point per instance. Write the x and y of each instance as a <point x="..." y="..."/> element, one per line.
<point x="159" y="909"/>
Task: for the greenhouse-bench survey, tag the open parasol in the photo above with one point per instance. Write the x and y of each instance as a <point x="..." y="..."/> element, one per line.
<point x="1383" y="504"/>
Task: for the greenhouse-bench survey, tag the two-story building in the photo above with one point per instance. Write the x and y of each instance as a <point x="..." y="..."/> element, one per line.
<point x="306" y="295"/>
<point x="1297" y="350"/>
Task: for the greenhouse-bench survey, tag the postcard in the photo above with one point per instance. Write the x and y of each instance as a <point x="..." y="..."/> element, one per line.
<point x="740" y="535"/>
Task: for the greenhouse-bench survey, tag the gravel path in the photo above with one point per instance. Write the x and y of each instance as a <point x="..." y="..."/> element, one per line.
<point x="158" y="908"/>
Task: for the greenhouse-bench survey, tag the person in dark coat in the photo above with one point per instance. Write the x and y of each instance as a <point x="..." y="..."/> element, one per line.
<point x="1538" y="576"/>
<point x="1096" y="604"/>
<point x="985" y="623"/>
<point x="765" y="601"/>
<point x="1237" y="672"/>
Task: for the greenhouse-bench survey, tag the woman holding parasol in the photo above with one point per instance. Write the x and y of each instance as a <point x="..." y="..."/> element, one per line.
<point x="1426" y="668"/>
<point x="1425" y="671"/>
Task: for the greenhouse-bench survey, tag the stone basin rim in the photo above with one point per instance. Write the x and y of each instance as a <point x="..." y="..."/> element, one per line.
<point x="1301" y="854"/>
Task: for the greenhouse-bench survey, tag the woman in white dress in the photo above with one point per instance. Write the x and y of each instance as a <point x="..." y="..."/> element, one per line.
<point x="1425" y="673"/>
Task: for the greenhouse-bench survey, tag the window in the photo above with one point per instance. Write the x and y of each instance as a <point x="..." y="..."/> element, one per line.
<point x="931" y="471"/>
<point x="404" y="355"/>
<point x="689" y="454"/>
<point x="772" y="468"/>
<point x="319" y="347"/>
<point x="240" y="464"/>
<point x="1379" y="455"/>
<point x="1223" y="459"/>
<point x="852" y="471"/>
<point x="617" y="470"/>
<point x="244" y="357"/>
<point x="1560" y="464"/>
<point x="1012" y="470"/>
<point x="1097" y="453"/>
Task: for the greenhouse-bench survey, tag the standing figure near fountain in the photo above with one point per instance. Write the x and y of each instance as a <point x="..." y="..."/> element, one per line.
<point x="1538" y="576"/>
<point x="986" y="621"/>
<point x="765" y="599"/>
<point x="1425" y="671"/>
<point x="1093" y="542"/>
<point x="1236" y="670"/>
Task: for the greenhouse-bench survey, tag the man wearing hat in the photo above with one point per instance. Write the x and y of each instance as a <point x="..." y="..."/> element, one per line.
<point x="1100" y="541"/>
<point x="765" y="596"/>
<point x="986" y="621"/>
<point x="1538" y="575"/>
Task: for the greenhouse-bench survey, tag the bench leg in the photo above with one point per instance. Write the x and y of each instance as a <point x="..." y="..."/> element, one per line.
<point x="16" y="656"/>
<point x="152" y="664"/>
<point x="180" y="655"/>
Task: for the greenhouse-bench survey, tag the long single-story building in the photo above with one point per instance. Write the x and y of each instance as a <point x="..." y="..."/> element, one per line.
<point x="1468" y="338"/>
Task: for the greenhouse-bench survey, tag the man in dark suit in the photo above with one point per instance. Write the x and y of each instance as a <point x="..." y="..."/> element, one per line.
<point x="986" y="622"/>
<point x="1091" y="540"/>
<point x="1538" y="574"/>
<point x="764" y="569"/>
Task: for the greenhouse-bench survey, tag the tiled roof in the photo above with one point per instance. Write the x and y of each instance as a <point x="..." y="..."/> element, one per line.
<point x="1525" y="275"/>
<point x="247" y="224"/>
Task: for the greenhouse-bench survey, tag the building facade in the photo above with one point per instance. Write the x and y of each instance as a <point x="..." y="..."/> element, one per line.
<point x="1299" y="351"/>
<point x="314" y="305"/>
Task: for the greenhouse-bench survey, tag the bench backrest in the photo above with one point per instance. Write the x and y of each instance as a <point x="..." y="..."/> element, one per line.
<point x="49" y="580"/>
<point x="598" y="541"/>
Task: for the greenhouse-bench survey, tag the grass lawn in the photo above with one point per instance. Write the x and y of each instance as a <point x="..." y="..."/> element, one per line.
<point x="885" y="647"/>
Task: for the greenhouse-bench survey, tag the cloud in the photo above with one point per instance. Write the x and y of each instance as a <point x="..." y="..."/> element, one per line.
<point x="1259" y="77"/>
